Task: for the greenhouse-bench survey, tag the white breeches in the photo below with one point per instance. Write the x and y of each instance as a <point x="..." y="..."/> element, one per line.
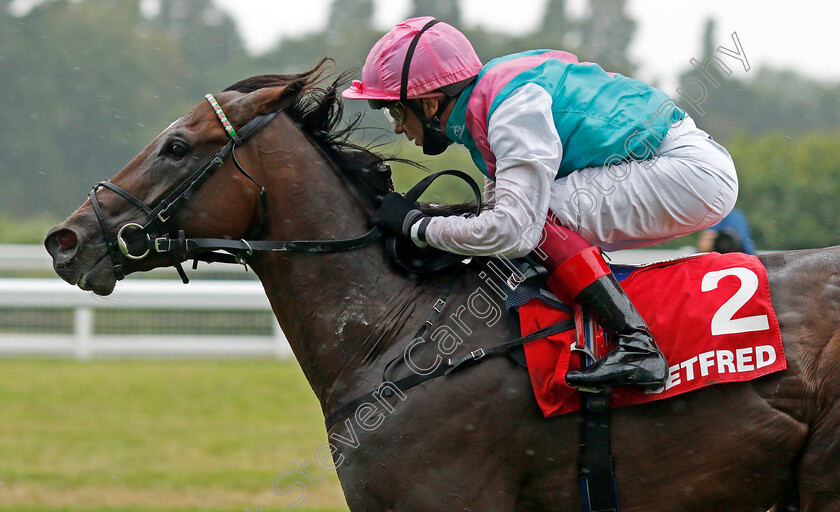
<point x="690" y="185"/>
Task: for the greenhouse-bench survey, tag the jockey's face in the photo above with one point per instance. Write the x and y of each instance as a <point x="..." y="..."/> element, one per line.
<point x="410" y="125"/>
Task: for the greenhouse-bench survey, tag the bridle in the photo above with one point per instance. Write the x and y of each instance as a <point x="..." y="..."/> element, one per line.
<point x="158" y="241"/>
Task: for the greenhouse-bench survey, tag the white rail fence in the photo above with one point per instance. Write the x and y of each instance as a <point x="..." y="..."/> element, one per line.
<point x="148" y="298"/>
<point x="150" y="317"/>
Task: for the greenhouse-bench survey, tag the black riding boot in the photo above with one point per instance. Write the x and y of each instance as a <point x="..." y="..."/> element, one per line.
<point x="637" y="360"/>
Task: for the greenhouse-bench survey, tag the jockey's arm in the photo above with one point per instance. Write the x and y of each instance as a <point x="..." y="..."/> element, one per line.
<point x="489" y="190"/>
<point x="528" y="152"/>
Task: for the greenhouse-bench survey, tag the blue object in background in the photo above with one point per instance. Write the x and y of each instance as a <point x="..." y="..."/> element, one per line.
<point x="734" y="225"/>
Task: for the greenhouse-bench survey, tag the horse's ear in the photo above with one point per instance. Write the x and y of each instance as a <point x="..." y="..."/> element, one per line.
<point x="272" y="99"/>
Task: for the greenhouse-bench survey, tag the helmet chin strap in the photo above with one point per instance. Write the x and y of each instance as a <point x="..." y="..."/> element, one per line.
<point x="435" y="141"/>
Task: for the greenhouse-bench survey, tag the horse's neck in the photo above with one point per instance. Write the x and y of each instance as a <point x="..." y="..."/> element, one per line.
<point x="341" y="314"/>
<point x="342" y="311"/>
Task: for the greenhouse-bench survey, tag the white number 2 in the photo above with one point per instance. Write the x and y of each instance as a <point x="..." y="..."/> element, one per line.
<point x="722" y="322"/>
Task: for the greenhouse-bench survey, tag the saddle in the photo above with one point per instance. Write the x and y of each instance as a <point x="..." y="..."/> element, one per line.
<point x="710" y="314"/>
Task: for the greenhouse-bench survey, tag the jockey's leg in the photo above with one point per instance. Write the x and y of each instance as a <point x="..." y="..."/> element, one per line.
<point x="578" y="273"/>
<point x="689" y="185"/>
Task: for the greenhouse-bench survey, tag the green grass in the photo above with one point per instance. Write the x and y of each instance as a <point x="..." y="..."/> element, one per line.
<point x="29" y="230"/>
<point x="156" y="435"/>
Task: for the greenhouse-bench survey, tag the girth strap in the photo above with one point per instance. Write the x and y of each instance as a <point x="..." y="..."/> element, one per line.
<point x="599" y="491"/>
<point x="445" y="369"/>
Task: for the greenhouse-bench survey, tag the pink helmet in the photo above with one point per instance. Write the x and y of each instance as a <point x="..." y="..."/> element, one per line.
<point x="443" y="57"/>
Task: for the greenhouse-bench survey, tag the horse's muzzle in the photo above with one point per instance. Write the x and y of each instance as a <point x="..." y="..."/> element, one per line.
<point x="79" y="259"/>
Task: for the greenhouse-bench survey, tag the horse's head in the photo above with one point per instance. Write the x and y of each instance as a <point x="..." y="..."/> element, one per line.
<point x="160" y="193"/>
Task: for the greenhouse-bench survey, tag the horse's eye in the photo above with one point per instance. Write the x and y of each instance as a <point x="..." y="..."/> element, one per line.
<point x="177" y="149"/>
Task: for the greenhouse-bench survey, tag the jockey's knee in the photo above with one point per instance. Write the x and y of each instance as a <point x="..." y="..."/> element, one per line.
<point x="724" y="200"/>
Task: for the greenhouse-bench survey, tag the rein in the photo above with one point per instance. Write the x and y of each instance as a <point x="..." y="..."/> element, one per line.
<point x="402" y="252"/>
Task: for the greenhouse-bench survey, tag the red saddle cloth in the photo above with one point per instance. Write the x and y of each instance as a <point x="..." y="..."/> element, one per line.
<point x="710" y="314"/>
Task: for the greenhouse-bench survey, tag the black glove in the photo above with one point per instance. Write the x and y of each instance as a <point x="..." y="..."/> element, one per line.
<point x="397" y="214"/>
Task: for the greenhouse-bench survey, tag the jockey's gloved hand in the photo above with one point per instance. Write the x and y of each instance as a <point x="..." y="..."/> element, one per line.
<point x="397" y="214"/>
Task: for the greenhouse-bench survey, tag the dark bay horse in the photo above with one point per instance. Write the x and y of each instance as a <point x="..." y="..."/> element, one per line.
<point x="474" y="440"/>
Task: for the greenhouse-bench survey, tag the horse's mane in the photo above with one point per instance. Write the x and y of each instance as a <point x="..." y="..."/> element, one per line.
<point x="318" y="111"/>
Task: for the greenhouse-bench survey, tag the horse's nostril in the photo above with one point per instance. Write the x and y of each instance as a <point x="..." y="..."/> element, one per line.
<point x="62" y="245"/>
<point x="66" y="240"/>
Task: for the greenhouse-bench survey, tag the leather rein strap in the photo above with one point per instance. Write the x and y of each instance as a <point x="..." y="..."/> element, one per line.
<point x="428" y="260"/>
<point x="328" y="246"/>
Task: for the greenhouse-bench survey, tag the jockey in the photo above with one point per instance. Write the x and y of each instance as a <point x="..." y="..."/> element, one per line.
<point x="575" y="160"/>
